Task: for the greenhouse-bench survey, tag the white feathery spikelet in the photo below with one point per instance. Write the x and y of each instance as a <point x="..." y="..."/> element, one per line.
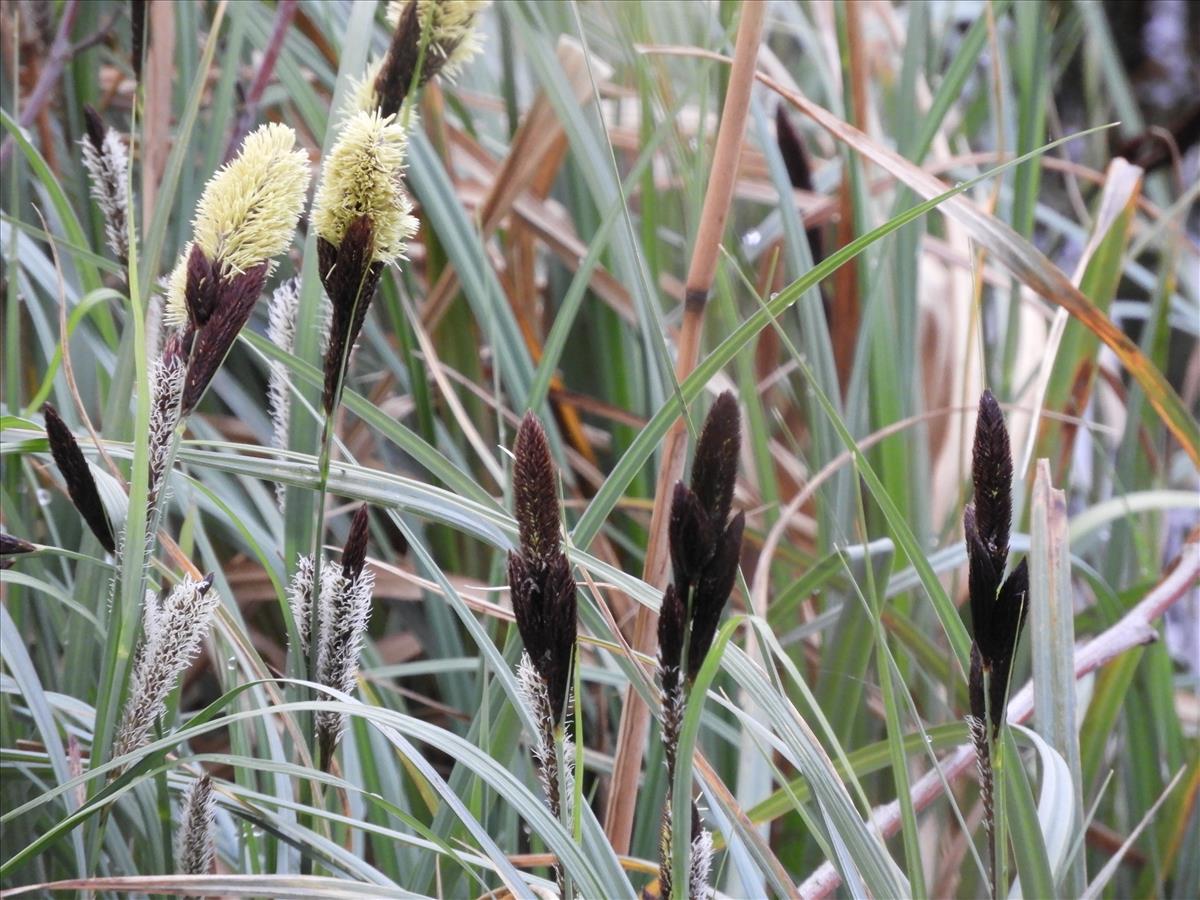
<point x="108" y="168"/>
<point x="700" y="865"/>
<point x="532" y="687"/>
<point x="173" y="631"/>
<point x="344" y="614"/>
<point x="281" y="331"/>
<point x="166" y="381"/>
<point x="300" y="593"/>
<point x="195" y="845"/>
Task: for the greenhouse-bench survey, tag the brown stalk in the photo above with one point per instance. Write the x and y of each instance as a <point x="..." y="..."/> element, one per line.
<point x="1024" y="261"/>
<point x="1133" y="630"/>
<point x="635" y="715"/>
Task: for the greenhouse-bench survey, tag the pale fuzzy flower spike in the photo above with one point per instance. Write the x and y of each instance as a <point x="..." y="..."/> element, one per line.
<point x="344" y="610"/>
<point x="195" y="846"/>
<point x="249" y="208"/>
<point x="107" y="164"/>
<point x="173" y="633"/>
<point x="362" y="176"/>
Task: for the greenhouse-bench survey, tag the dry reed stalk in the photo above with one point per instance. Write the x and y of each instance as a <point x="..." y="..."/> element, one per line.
<point x="635" y="715"/>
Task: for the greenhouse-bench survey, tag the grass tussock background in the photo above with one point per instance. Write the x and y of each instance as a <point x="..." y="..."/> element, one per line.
<point x="267" y="517"/>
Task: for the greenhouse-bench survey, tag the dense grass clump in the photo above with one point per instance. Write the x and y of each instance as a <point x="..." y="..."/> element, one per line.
<point x="645" y="449"/>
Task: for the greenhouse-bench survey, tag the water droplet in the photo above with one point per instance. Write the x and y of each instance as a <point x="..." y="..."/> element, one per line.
<point x="231" y="663"/>
<point x="43" y="497"/>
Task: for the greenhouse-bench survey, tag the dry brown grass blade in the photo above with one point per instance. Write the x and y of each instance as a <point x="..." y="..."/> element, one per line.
<point x="1027" y="264"/>
<point x="635" y="716"/>
<point x="533" y="147"/>
<point x="1122" y="188"/>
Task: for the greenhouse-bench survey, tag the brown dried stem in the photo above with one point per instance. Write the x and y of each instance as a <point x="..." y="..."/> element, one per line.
<point x="635" y="716"/>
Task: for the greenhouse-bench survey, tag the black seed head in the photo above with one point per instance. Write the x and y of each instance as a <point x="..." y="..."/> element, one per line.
<point x="81" y="485"/>
<point x="992" y="473"/>
<point x="712" y="593"/>
<point x="714" y="471"/>
<point x="10" y="544"/>
<point x="690" y="536"/>
<point x="350" y="278"/>
<point x="535" y="494"/>
<point x="672" y="618"/>
<point x="354" y="554"/>
<point x="236" y="296"/>
<point x="95" y="128"/>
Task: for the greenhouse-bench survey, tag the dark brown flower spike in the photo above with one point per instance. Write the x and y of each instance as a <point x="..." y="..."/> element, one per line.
<point x="539" y="573"/>
<point x="350" y="276"/>
<point x="997" y="604"/>
<point x="354" y="554"/>
<point x="11" y="546"/>
<point x="94" y="126"/>
<point x="705" y="546"/>
<point x="137" y="35"/>
<point x="714" y="470"/>
<point x="235" y="297"/>
<point x="81" y="485"/>
<point x="396" y="74"/>
<point x="544" y="604"/>
<point x="535" y="494"/>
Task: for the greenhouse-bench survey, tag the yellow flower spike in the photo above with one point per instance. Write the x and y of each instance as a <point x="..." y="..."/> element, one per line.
<point x="363" y="96"/>
<point x="250" y="207"/>
<point x="362" y="177"/>
<point x="452" y="28"/>
<point x="175" y="306"/>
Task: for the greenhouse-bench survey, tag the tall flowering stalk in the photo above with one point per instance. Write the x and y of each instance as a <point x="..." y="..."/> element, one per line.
<point x="431" y="38"/>
<point x="997" y="603"/>
<point x="342" y="607"/>
<point x="705" y="545"/>
<point x="544" y="604"/>
<point x="362" y="217"/>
